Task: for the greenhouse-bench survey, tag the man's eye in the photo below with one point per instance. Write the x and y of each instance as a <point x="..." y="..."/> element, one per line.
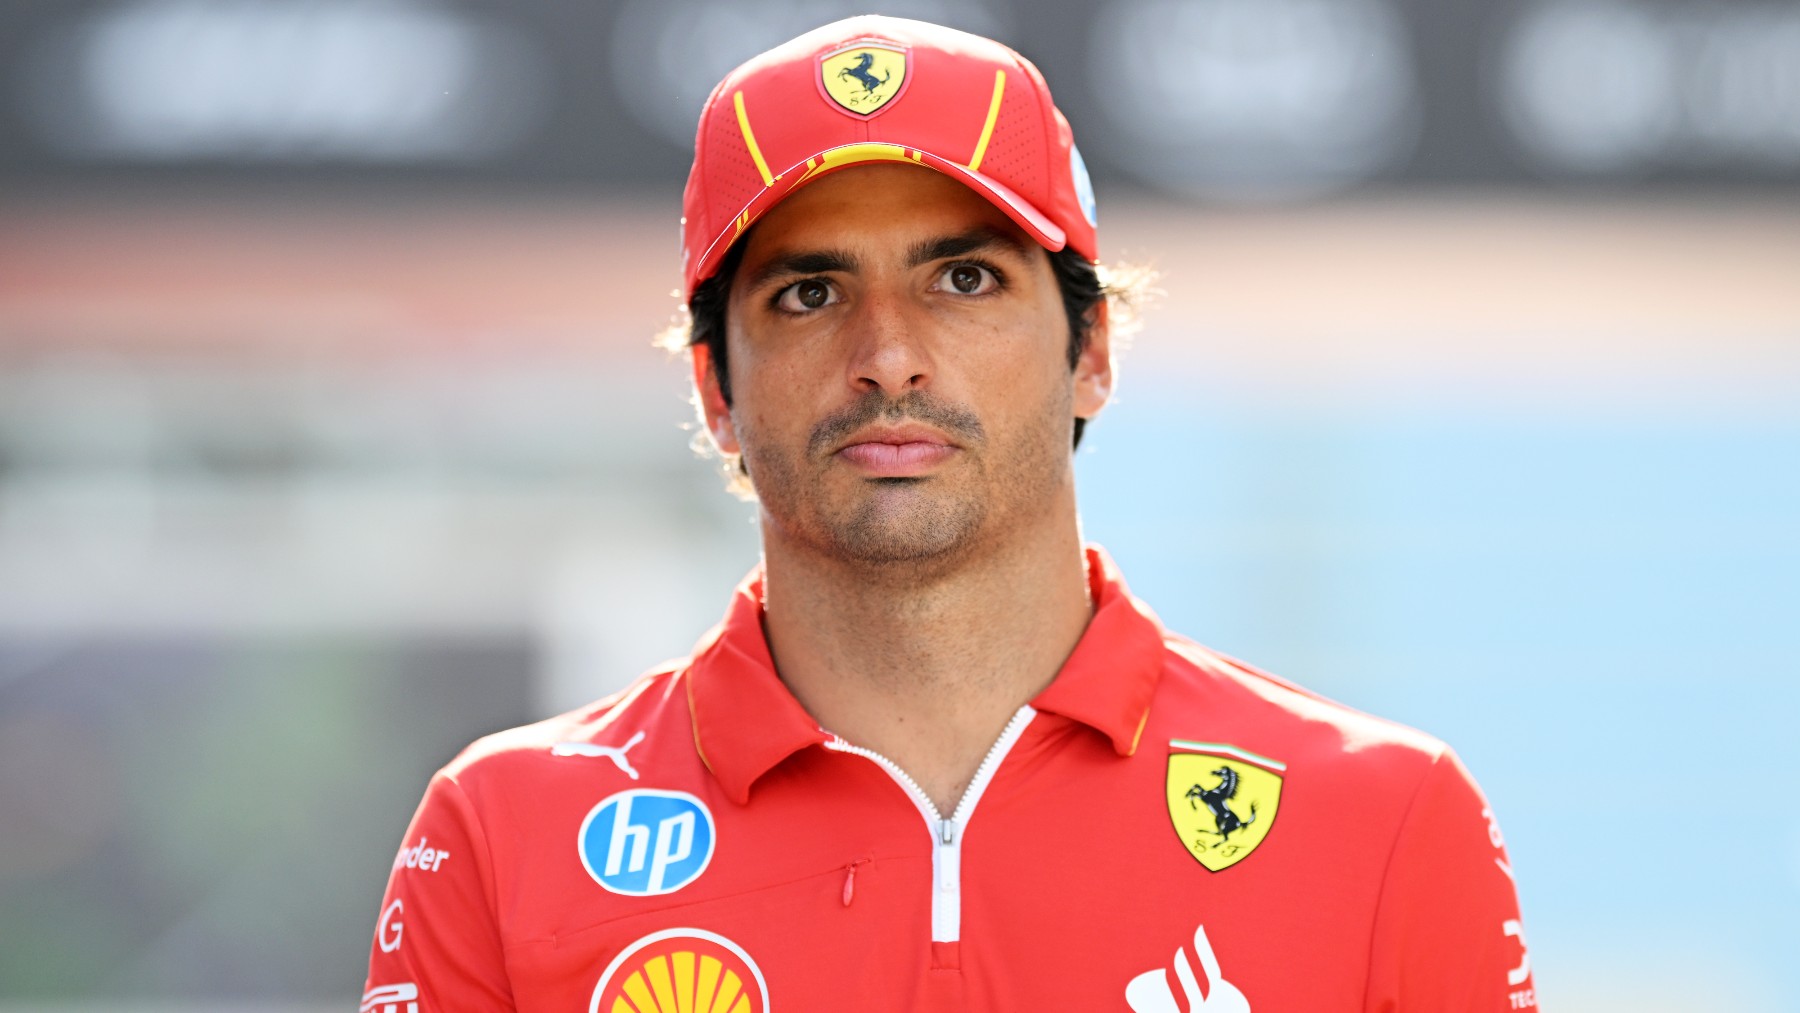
<point x="805" y="296"/>
<point x="968" y="279"/>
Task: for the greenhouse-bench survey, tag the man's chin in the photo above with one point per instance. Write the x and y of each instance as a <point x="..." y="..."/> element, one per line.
<point x="888" y="533"/>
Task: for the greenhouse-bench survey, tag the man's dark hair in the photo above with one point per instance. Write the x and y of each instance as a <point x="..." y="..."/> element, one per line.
<point x="1077" y="278"/>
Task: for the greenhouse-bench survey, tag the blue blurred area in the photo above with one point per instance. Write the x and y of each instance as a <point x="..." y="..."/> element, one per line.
<point x="1599" y="609"/>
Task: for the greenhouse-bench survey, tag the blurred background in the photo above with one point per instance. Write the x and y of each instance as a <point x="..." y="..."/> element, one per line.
<point x="331" y="434"/>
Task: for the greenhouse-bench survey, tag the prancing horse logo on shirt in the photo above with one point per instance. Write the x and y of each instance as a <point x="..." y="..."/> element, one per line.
<point x="1222" y="800"/>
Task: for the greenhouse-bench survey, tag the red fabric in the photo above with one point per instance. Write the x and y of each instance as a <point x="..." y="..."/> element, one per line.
<point x="1380" y="886"/>
<point x="937" y="114"/>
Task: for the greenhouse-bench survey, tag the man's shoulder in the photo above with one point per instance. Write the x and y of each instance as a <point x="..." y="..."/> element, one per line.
<point x="623" y="727"/>
<point x="1223" y="697"/>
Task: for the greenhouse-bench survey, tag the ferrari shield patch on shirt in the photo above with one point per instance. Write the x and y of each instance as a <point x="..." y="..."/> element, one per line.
<point x="1222" y="800"/>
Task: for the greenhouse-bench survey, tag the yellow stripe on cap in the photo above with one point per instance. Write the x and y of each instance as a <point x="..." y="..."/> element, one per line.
<point x="737" y="102"/>
<point x="852" y="154"/>
<point x="987" y="129"/>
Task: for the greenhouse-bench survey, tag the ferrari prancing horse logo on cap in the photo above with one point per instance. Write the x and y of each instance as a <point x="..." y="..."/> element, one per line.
<point x="1222" y="800"/>
<point x="863" y="77"/>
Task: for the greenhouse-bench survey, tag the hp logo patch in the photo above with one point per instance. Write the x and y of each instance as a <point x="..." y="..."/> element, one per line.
<point x="645" y="842"/>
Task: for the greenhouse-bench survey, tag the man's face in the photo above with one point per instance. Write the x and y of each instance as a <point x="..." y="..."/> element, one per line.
<point x="899" y="364"/>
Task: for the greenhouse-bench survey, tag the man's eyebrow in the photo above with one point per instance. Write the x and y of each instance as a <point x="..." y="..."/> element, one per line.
<point x="963" y="244"/>
<point x="808" y="262"/>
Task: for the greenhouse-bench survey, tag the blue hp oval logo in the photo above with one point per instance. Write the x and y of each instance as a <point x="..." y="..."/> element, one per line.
<point x="644" y="842"/>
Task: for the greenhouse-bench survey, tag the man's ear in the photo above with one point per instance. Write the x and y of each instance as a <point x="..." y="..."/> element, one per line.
<point x="711" y="400"/>
<point x="1094" y="367"/>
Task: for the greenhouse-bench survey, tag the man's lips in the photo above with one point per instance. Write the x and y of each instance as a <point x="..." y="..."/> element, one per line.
<point x="901" y="452"/>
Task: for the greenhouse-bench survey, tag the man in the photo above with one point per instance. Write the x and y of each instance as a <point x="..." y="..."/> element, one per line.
<point x="935" y="757"/>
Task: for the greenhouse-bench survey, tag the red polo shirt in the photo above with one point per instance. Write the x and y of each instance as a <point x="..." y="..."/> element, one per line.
<point x="1163" y="830"/>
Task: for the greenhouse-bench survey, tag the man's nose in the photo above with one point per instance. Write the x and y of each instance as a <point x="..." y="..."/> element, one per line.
<point x="889" y="347"/>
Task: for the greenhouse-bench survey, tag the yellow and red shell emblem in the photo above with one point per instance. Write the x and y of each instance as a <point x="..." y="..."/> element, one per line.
<point x="682" y="971"/>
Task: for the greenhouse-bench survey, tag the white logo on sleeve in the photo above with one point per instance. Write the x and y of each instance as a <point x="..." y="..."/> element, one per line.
<point x="1517" y="975"/>
<point x="614" y="753"/>
<point x="389" y="931"/>
<point x="420" y="856"/>
<point x="1150" y="992"/>
<point x="401" y="998"/>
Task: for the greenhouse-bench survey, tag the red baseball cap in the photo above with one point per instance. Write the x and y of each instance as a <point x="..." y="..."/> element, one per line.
<point x="879" y="89"/>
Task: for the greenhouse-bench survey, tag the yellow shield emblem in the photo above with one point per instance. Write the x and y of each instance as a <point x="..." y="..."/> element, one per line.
<point x="1222" y="800"/>
<point x="863" y="77"/>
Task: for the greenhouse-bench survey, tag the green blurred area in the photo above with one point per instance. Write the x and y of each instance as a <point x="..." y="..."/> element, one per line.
<point x="208" y="819"/>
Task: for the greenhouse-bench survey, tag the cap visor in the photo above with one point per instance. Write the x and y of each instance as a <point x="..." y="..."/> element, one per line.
<point x="1048" y="234"/>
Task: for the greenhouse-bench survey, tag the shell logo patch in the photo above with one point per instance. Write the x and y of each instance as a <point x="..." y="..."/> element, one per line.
<point x="1222" y="800"/>
<point x="863" y="77"/>
<point x="681" y="971"/>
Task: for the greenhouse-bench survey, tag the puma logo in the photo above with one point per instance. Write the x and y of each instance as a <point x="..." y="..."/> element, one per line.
<point x="614" y="753"/>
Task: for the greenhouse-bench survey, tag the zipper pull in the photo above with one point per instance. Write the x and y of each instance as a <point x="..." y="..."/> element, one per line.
<point x="947" y="832"/>
<point x="850" y="880"/>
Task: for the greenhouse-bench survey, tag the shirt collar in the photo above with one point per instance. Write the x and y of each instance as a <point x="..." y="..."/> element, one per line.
<point x="745" y="720"/>
<point x="1110" y="677"/>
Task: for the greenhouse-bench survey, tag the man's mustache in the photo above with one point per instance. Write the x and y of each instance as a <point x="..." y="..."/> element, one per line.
<point x="917" y="405"/>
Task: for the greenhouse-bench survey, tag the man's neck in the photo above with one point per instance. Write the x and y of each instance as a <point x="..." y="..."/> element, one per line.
<point x="926" y="669"/>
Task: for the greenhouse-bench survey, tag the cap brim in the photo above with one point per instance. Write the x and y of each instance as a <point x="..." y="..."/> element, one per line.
<point x="1047" y="233"/>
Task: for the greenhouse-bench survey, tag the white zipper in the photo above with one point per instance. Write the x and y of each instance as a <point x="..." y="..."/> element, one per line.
<point x="946" y="855"/>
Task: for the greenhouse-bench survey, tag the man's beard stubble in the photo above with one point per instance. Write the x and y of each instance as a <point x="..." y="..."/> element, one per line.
<point x="908" y="526"/>
<point x="904" y="523"/>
